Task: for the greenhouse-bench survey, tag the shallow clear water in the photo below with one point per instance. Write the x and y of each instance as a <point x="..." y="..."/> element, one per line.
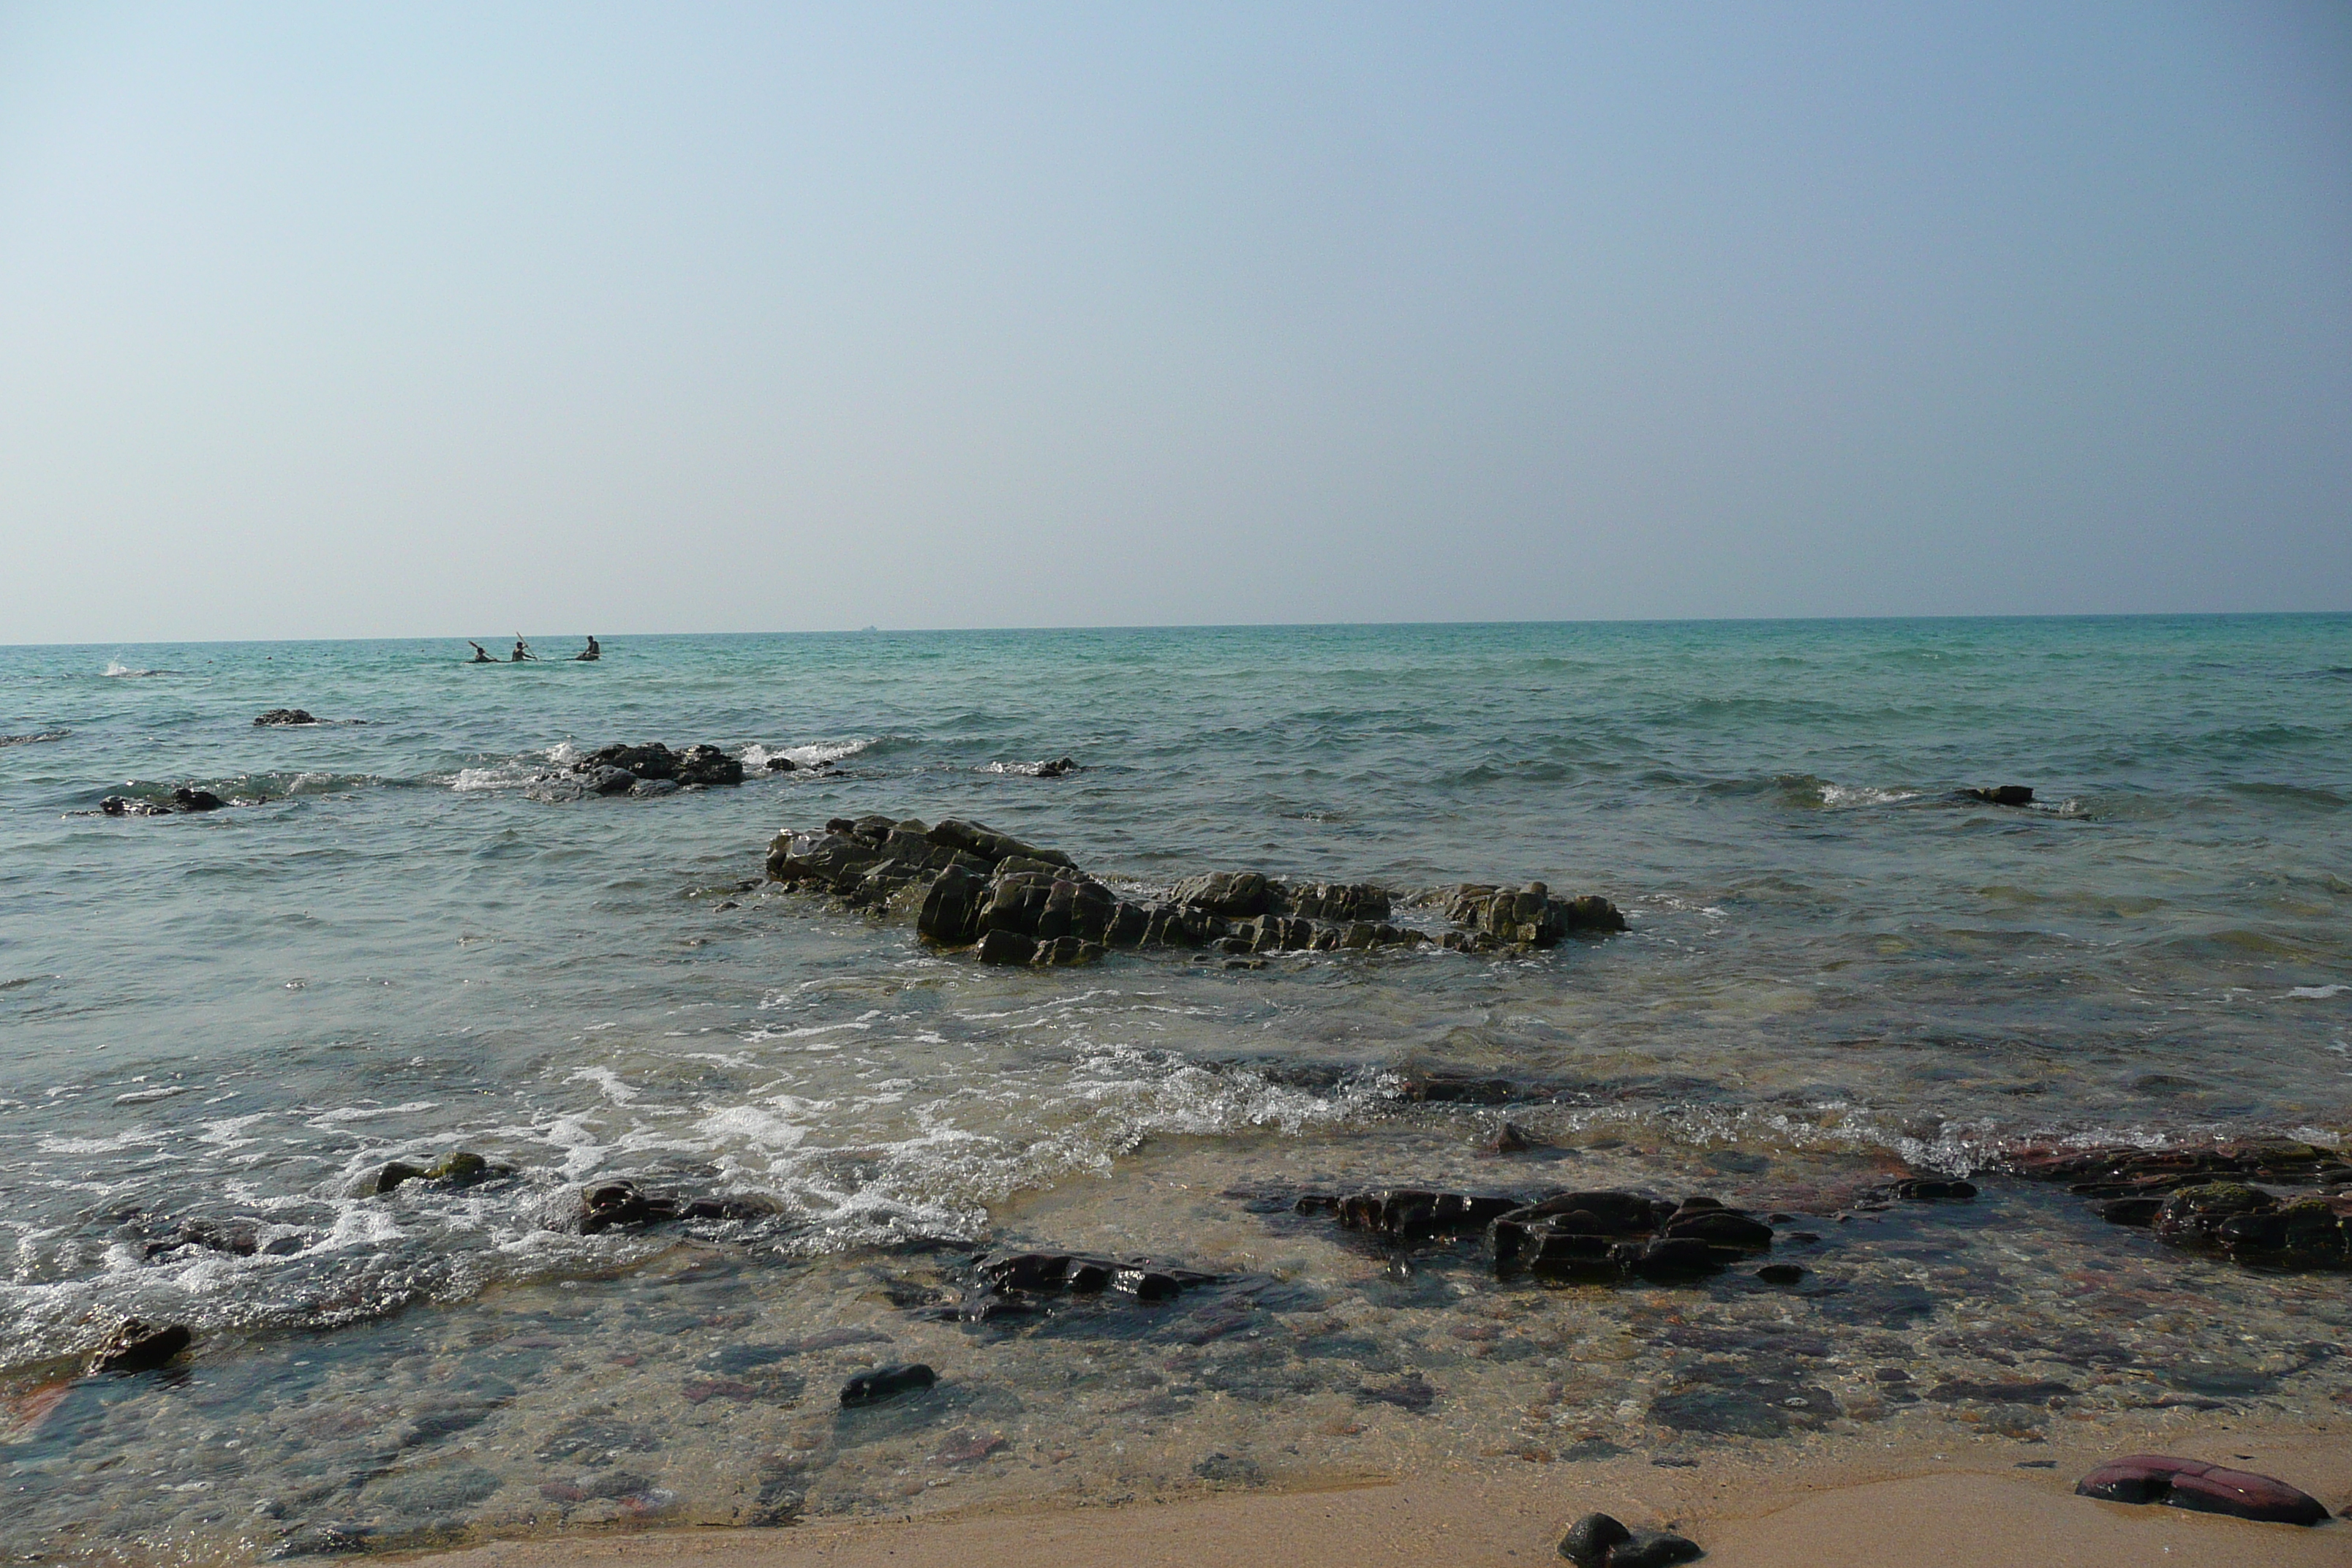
<point x="1834" y="970"/>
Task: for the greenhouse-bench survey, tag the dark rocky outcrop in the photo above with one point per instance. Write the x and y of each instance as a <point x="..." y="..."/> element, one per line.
<point x="186" y="797"/>
<point x="2206" y="1488"/>
<point x="969" y="886"/>
<point x="887" y="1383"/>
<point x="1579" y="1237"/>
<point x="1060" y="767"/>
<point x="2001" y="794"/>
<point x="1603" y="1236"/>
<point x="698" y="764"/>
<point x="624" y="1206"/>
<point x="137" y="1346"/>
<point x="286" y="716"/>
<point x="2208" y="1200"/>
<point x="1058" y="1273"/>
<point x="1528" y="917"/>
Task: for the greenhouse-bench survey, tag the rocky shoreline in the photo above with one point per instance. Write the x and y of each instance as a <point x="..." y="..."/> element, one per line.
<point x="970" y="888"/>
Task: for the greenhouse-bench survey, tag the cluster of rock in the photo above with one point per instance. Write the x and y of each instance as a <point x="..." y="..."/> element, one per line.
<point x="651" y="769"/>
<point x="624" y="1206"/>
<point x="1586" y="1239"/>
<point x="286" y="716"/>
<point x="969" y="886"/>
<point x="2205" y="1200"/>
<point x="183" y="799"/>
<point x="1021" y="1284"/>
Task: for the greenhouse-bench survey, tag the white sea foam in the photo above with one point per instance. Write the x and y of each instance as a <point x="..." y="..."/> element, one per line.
<point x="117" y="670"/>
<point x="370" y="1112"/>
<point x="607" y="1082"/>
<point x="1835" y="795"/>
<point x="806" y="755"/>
<point x="2317" y="993"/>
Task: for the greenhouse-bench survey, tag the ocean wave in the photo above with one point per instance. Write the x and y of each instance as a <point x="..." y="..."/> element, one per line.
<point x="524" y="768"/>
<point x="117" y="670"/>
<point x="808" y="755"/>
<point x="35" y="739"/>
<point x="1835" y="796"/>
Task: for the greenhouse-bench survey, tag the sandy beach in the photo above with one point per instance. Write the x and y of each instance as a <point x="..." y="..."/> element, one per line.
<point x="1858" y="1501"/>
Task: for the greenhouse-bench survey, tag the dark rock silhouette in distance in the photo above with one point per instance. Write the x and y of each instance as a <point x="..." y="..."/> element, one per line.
<point x="286" y="716"/>
<point x="2206" y="1488"/>
<point x="2001" y="794"/>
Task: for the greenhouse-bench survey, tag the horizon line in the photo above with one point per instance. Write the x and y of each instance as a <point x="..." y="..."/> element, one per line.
<point x="1249" y="626"/>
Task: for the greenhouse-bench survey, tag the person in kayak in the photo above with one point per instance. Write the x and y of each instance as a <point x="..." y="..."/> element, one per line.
<point x="523" y="651"/>
<point x="590" y="653"/>
<point x="481" y="654"/>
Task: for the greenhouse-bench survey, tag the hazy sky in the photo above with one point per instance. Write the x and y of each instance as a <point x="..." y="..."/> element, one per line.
<point x="387" y="320"/>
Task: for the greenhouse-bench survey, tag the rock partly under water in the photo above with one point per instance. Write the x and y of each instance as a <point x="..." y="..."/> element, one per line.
<point x="641" y="770"/>
<point x="287" y="716"/>
<point x="971" y="887"/>
<point x="137" y="1346"/>
<point x="1576" y="1238"/>
<point x="887" y="1383"/>
<point x="2216" y="1199"/>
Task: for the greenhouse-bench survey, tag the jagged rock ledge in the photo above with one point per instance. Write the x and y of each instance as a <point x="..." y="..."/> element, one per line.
<point x="969" y="886"/>
<point x="2205" y="1200"/>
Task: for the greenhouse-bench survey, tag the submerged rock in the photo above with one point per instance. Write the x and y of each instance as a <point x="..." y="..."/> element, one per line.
<point x="1578" y="1238"/>
<point x="286" y="716"/>
<point x="2205" y="1199"/>
<point x="887" y="1383"/>
<point x="135" y="1345"/>
<point x="2001" y="794"/>
<point x="188" y="798"/>
<point x="624" y="1206"/>
<point x="2206" y="1488"/>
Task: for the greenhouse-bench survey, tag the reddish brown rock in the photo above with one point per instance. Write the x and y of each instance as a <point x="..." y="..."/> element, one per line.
<point x="2206" y="1488"/>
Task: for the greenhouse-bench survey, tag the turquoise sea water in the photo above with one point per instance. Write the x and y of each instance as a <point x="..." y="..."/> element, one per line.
<point x="384" y="948"/>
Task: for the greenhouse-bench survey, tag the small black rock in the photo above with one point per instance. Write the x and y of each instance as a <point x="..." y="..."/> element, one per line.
<point x="1588" y="1541"/>
<point x="1779" y="1274"/>
<point x="286" y="716"/>
<point x="887" y="1383"/>
<point x="1653" y="1548"/>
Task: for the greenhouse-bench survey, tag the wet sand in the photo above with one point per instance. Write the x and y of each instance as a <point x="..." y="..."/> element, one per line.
<point x="1862" y="1502"/>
